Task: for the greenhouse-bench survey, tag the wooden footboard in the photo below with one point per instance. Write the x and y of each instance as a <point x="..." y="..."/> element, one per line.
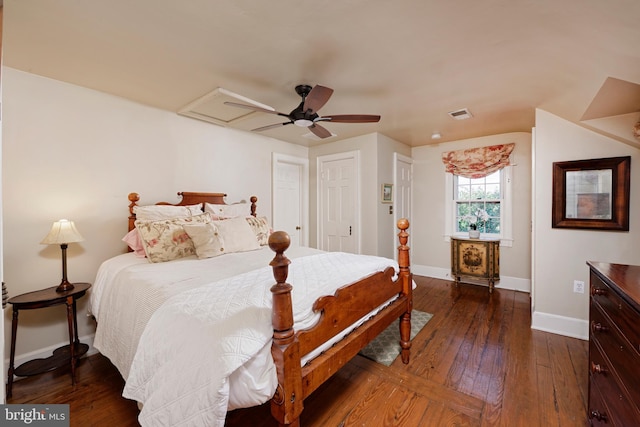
<point x="349" y="304"/>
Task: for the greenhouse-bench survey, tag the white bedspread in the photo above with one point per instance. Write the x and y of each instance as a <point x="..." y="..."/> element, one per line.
<point x="195" y="333"/>
<point x="128" y="290"/>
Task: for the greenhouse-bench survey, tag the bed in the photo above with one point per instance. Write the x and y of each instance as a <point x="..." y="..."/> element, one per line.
<point x="197" y="336"/>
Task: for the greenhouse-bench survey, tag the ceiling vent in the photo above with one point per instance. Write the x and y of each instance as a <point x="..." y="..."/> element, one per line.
<point x="211" y="108"/>
<point x="460" y="114"/>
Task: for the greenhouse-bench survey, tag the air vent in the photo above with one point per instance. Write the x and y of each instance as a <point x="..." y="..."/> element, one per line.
<point x="460" y="114"/>
<point x="211" y="108"/>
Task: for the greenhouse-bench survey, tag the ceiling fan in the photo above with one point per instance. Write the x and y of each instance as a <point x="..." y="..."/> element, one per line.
<point x="306" y="115"/>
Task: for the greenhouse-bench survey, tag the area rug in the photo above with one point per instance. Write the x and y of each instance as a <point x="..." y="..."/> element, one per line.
<point x="386" y="347"/>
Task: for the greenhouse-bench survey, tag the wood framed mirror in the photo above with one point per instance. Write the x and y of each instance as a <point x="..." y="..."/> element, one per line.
<point x="592" y="194"/>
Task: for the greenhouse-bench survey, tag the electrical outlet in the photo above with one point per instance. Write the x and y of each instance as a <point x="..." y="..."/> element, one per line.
<point x="578" y="286"/>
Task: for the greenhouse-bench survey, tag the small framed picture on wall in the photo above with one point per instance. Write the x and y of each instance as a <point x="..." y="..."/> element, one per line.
<point x="387" y="193"/>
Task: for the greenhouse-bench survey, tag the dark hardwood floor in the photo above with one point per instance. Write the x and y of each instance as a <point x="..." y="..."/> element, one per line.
<point x="476" y="363"/>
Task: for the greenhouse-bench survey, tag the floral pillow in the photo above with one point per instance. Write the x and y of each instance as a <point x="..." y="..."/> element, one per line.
<point x="206" y="239"/>
<point x="260" y="228"/>
<point x="166" y="240"/>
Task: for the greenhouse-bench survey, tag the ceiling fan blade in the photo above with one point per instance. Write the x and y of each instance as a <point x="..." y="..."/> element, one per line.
<point x="254" y="108"/>
<point x="318" y="96"/>
<point x="319" y="131"/>
<point x="351" y="118"/>
<point x="270" y="127"/>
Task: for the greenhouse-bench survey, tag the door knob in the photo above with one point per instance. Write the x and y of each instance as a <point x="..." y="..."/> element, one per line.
<point x="297" y="227"/>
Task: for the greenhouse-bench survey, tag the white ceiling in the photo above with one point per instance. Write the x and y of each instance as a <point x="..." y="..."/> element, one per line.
<point x="409" y="61"/>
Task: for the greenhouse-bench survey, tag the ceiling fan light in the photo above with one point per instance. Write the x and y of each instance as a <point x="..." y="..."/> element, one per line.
<point x="304" y="123"/>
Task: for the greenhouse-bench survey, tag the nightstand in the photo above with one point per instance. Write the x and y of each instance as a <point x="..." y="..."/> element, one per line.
<point x="66" y="355"/>
<point x="475" y="258"/>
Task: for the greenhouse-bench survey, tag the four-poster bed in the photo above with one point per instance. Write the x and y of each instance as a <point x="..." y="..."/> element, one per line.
<point x="344" y="320"/>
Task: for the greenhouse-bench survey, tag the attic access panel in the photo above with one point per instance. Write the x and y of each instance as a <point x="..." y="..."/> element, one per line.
<point x="210" y="107"/>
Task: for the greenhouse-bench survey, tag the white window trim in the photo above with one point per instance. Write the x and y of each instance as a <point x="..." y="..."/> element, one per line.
<point x="506" y="218"/>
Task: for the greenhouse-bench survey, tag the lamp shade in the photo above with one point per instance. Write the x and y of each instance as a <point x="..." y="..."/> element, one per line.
<point x="63" y="231"/>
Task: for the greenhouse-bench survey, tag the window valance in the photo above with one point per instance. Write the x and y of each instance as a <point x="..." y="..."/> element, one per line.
<point x="477" y="162"/>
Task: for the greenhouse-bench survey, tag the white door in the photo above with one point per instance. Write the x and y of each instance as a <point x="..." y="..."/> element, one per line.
<point x="403" y="178"/>
<point x="290" y="197"/>
<point x="339" y="203"/>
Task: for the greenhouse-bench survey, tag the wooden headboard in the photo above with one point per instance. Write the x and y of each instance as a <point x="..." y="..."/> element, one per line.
<point x="188" y="198"/>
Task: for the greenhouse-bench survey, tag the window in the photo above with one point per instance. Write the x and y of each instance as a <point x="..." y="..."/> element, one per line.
<point x="474" y="196"/>
<point x="491" y="193"/>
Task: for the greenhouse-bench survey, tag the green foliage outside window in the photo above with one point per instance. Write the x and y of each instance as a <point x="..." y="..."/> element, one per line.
<point x="478" y="195"/>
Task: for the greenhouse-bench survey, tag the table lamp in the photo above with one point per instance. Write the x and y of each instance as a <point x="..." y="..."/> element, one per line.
<point x="63" y="232"/>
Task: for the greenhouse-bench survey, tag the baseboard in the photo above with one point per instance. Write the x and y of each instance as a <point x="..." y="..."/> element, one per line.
<point x="506" y="282"/>
<point x="561" y="325"/>
<point x="43" y="353"/>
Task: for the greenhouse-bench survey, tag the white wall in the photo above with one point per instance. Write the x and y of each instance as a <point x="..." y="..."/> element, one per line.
<point x="70" y="152"/>
<point x="431" y="253"/>
<point x="561" y="254"/>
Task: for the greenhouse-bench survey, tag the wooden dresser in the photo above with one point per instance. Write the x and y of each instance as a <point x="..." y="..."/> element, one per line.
<point x="475" y="258"/>
<point x="614" y="345"/>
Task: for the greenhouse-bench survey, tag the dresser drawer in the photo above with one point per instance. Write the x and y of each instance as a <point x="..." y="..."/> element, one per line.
<point x="620" y="358"/>
<point x="597" y="412"/>
<point x="604" y="385"/>
<point x="624" y="317"/>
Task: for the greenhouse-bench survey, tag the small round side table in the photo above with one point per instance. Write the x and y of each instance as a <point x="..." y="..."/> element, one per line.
<point x="62" y="356"/>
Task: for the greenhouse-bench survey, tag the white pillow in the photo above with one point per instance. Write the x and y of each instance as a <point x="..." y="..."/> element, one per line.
<point x="159" y="212"/>
<point x="228" y="211"/>
<point x="237" y="235"/>
<point x="206" y="239"/>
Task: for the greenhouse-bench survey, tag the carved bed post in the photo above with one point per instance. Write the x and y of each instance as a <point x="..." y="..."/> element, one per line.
<point x="134" y="198"/>
<point x="407" y="283"/>
<point x="287" y="403"/>
<point x="253" y="200"/>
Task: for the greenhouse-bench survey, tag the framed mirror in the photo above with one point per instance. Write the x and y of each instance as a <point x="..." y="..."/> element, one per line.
<point x="592" y="194"/>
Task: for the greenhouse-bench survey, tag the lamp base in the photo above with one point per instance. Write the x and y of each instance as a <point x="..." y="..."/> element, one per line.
<point x="64" y="286"/>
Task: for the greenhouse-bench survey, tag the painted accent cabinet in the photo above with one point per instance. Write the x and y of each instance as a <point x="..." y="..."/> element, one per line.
<point x="475" y="259"/>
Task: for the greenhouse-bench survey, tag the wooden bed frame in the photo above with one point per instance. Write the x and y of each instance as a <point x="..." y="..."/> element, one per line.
<point x="349" y="304"/>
